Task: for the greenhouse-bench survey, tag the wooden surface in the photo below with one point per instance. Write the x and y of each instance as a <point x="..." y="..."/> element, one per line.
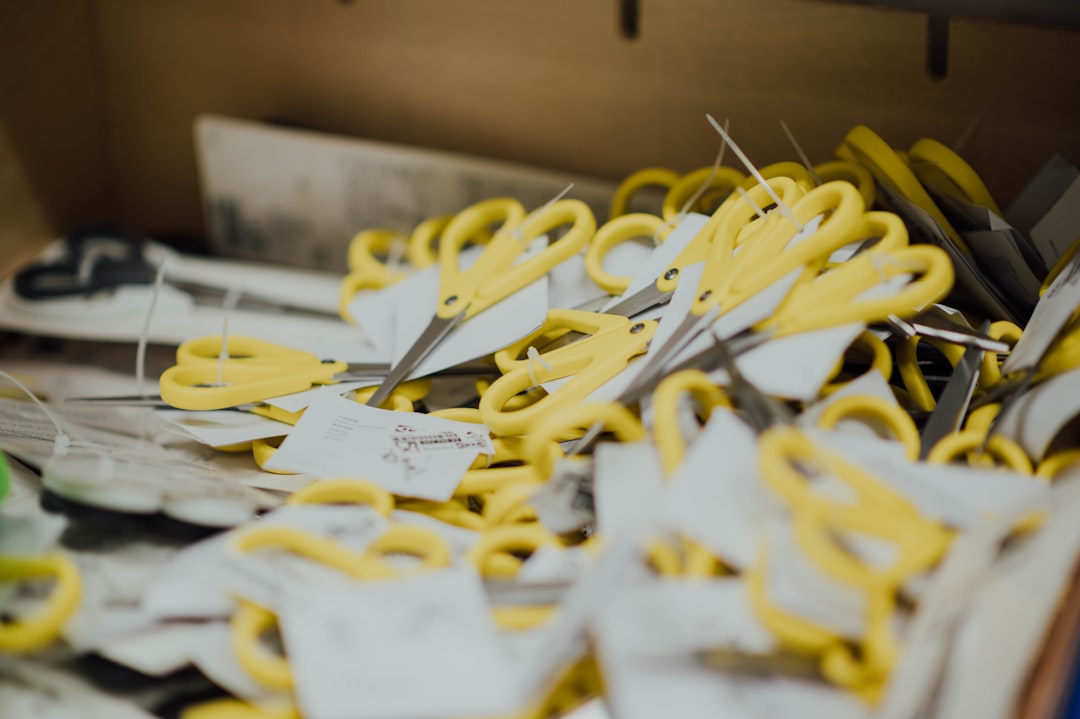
<point x="553" y="84"/>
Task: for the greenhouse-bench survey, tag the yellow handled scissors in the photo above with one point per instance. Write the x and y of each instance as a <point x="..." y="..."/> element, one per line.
<point x="938" y="167"/>
<point x="635" y="182"/>
<point x="699" y="248"/>
<point x="496" y="274"/>
<point x="253" y="371"/>
<point x="42" y="627"/>
<point x="611" y="342"/>
<point x="893" y="171"/>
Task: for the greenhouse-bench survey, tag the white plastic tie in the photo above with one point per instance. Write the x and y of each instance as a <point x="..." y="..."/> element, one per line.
<point x="535" y="357"/>
<point x="62" y="442"/>
<point x="517" y="232"/>
<point x="781" y="206"/>
<point x="232" y="298"/>
<point x="802" y="155"/>
<point x="144" y="335"/>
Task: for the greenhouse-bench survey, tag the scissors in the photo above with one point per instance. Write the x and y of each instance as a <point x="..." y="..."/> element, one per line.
<point x="698" y="249"/>
<point x="938" y="167"/>
<point x="892" y="171"/>
<point x="611" y="342"/>
<point x="635" y="182"/>
<point x="498" y="558"/>
<point x="790" y="464"/>
<point x="837" y="297"/>
<point x="251" y="621"/>
<point x="495" y="275"/>
<point x="41" y="627"/>
<point x="253" y="371"/>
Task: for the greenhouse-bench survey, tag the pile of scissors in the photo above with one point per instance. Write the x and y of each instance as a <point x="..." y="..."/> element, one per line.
<point x="739" y="264"/>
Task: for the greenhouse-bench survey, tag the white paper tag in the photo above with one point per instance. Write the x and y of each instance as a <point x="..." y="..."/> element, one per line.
<point x="1060" y="227"/>
<point x="797" y="366"/>
<point x="158" y="651"/>
<point x="569" y="284"/>
<point x="565" y="502"/>
<point x="30" y="689"/>
<point x="413" y="455"/>
<point x="660" y="259"/>
<point x="626" y="473"/>
<point x="1055" y="307"/>
<point x="716" y="496"/>
<point x="421" y="646"/>
<point x="202" y="579"/>
<point x="554" y="565"/>
<point x="648" y="637"/>
<point x="29" y="536"/>
<point x="213" y="655"/>
<point x="461" y="540"/>
<point x="219" y="428"/>
<point x="300" y="400"/>
<point x="1035" y="419"/>
<point x="485" y="333"/>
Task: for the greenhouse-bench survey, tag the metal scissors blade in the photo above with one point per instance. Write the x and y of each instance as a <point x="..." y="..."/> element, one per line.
<point x="932" y="323"/>
<point x="955" y="399"/>
<point x="436" y="331"/>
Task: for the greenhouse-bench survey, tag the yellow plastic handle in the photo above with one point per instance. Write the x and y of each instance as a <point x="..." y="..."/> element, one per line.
<point x="835" y="298"/>
<point x="848" y="171"/>
<point x="668" y="437"/>
<point x="770" y="255"/>
<point x="723" y="182"/>
<point x="877" y="411"/>
<point x="649" y="177"/>
<point x="240" y="348"/>
<point x="621" y="229"/>
<point x="968" y="442"/>
<point x="202" y="387"/>
<point x="890" y="169"/>
<point x="941" y="169"/>
<point x="541" y="447"/>
<point x="40" y="628"/>
<point x="249" y="622"/>
<point x="497" y="274"/>
<point x="345" y="491"/>
<point x="590" y="362"/>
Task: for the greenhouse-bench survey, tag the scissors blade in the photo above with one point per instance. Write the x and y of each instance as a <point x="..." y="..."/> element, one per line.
<point x="782" y="663"/>
<point x="954" y="401"/>
<point x="930" y="323"/>
<point x="429" y="339"/>
<point x="640" y="301"/>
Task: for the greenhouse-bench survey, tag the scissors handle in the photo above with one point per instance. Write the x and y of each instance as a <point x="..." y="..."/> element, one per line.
<point x="707" y="181"/>
<point x="849" y="171"/>
<point x="649" y="177"/>
<point x="591" y="361"/>
<point x="839" y="296"/>
<point x="614" y="232"/>
<point x="243" y="349"/>
<point x="496" y="274"/>
<point x="775" y="251"/>
<point x="200" y="386"/>
<point x="937" y="166"/>
<point x="39" y="629"/>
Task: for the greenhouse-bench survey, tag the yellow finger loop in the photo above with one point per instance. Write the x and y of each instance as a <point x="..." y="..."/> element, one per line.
<point x="319" y="549"/>
<point x="424" y="544"/>
<point x="668" y="437"/>
<point x="236" y="709"/>
<point x="974" y="443"/>
<point x="1057" y="464"/>
<point x="510" y="505"/>
<point x="345" y="491"/>
<point x="634" y="183"/>
<point x="541" y="445"/>
<point x="621" y="229"/>
<point x="41" y="627"/>
<point x="263" y="449"/>
<point x="249" y="623"/>
<point x="877" y="411"/>
<point x="506" y="541"/>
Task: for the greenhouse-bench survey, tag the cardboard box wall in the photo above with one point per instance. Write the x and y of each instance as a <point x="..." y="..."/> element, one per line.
<point x="97" y="97"/>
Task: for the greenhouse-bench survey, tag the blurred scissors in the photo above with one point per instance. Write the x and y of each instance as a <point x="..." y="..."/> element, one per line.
<point x="250" y="621"/>
<point x="496" y="274"/>
<point x="92" y="260"/>
<point x="893" y="171"/>
<point x="610" y="342"/>
<point x="252" y="371"/>
<point x="40" y="628"/>
<point x="938" y="167"/>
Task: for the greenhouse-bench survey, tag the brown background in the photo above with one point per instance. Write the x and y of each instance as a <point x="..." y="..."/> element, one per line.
<point x="97" y="97"/>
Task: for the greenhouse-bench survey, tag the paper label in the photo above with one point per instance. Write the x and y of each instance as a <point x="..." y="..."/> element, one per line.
<point x="554" y="565"/>
<point x="626" y="474"/>
<point x="1036" y="418"/>
<point x="413" y="455"/>
<point x="570" y="286"/>
<point x="219" y="428"/>
<point x="300" y="400"/>
<point x="1059" y="228"/>
<point x="483" y="334"/>
<point x="1055" y="307"/>
<point x="202" y="580"/>
<point x="29" y="536"/>
<point x="421" y="646"/>
<point x="213" y="655"/>
<point x="717" y="496"/>
<point x="566" y="502"/>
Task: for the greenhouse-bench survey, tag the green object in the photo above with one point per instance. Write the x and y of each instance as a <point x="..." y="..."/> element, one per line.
<point x="5" y="476"/>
